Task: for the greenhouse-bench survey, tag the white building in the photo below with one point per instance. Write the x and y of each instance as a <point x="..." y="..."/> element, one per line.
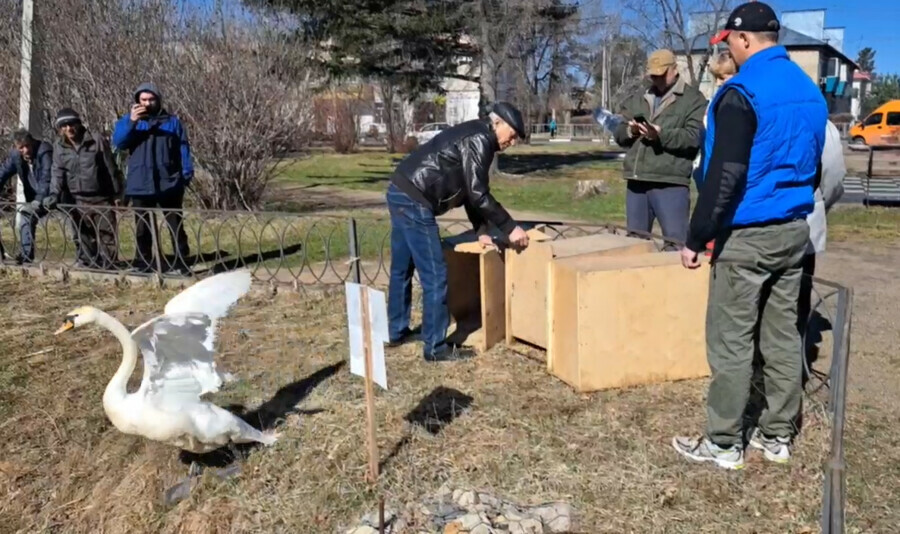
<point x="862" y="87"/>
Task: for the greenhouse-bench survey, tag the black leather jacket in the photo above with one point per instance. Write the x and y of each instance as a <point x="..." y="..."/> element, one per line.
<point x="452" y="170"/>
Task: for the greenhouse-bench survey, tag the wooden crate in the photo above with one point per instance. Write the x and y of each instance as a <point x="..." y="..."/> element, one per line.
<point x="627" y="321"/>
<point x="475" y="295"/>
<point x="528" y="271"/>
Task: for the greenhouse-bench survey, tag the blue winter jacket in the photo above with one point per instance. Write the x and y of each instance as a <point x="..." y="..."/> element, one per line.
<point x="37" y="183"/>
<point x="791" y="115"/>
<point x="159" y="155"/>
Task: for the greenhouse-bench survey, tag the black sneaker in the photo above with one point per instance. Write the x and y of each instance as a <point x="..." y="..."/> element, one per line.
<point x="406" y="336"/>
<point x="450" y="354"/>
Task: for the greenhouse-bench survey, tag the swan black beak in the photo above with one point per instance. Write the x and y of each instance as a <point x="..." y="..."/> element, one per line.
<point x="68" y="324"/>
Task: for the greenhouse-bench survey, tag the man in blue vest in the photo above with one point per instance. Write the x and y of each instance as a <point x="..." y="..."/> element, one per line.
<point x="765" y="134"/>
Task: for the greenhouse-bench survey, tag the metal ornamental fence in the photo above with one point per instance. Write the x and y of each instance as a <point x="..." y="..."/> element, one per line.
<point x="314" y="250"/>
<point x="280" y="247"/>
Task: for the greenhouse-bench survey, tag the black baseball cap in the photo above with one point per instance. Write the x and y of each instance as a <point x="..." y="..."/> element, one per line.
<point x="749" y="17"/>
<point x="512" y="116"/>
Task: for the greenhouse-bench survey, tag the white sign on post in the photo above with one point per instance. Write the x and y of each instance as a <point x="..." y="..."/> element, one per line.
<point x="378" y="327"/>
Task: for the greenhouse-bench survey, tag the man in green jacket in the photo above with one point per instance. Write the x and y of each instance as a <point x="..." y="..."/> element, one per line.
<point x="662" y="136"/>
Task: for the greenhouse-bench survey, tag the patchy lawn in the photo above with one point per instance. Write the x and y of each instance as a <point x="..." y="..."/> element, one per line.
<point x="526" y="436"/>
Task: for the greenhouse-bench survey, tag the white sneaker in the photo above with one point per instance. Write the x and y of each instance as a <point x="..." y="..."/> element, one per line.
<point x="704" y="450"/>
<point x="776" y="449"/>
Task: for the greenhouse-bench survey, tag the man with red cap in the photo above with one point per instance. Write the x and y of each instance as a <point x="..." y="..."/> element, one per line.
<point x="765" y="136"/>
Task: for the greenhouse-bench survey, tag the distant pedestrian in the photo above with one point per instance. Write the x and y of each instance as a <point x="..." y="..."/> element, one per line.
<point x="30" y="160"/>
<point x="766" y="133"/>
<point x="160" y="168"/>
<point x="662" y="136"/>
<point x="552" y="128"/>
<point x="85" y="171"/>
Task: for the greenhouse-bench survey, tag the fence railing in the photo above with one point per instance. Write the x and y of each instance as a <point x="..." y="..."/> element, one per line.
<point x="278" y="247"/>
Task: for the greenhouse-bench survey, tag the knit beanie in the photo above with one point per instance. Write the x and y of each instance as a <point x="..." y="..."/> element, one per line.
<point x="66" y="115"/>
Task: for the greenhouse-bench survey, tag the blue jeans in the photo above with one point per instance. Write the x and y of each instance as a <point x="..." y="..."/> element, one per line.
<point x="416" y="246"/>
<point x="27" y="224"/>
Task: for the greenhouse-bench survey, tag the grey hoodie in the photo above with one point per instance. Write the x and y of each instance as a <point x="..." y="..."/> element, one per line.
<point x="148" y="87"/>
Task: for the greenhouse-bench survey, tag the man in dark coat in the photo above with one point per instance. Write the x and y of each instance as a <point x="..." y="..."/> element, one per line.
<point x="160" y="167"/>
<point x="30" y="160"/>
<point x="85" y="171"/>
<point x="449" y="171"/>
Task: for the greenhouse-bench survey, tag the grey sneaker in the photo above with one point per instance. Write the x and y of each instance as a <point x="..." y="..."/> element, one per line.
<point x="775" y="449"/>
<point x="703" y="450"/>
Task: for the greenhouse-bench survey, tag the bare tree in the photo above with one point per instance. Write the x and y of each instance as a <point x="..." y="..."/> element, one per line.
<point x="394" y="115"/>
<point x="240" y="90"/>
<point x="666" y="23"/>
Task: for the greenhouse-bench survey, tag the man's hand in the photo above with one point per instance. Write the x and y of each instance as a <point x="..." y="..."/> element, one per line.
<point x="34" y="205"/>
<point x="634" y="129"/>
<point x="689" y="258"/>
<point x="650" y="131"/>
<point x="137" y="112"/>
<point x="518" y="237"/>
<point x="49" y="203"/>
<point x="485" y="240"/>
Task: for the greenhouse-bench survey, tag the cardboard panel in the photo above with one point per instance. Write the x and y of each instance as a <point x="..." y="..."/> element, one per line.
<point x="637" y="320"/>
<point x="527" y="276"/>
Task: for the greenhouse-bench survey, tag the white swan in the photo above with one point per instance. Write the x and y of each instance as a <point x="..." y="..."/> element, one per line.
<point x="179" y="367"/>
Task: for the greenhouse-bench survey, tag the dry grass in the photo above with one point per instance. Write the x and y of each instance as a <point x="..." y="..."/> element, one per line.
<point x="527" y="436"/>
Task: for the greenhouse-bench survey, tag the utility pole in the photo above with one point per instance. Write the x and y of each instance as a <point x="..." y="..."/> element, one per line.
<point x="29" y="89"/>
<point x="30" y="78"/>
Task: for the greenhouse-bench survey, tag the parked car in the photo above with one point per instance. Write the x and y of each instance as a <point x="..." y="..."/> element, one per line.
<point x="881" y="126"/>
<point x="426" y="133"/>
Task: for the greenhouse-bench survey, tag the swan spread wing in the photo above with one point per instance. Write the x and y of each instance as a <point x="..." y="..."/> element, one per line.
<point x="178" y="347"/>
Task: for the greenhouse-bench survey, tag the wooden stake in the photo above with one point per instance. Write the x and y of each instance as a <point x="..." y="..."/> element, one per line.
<point x="370" y="390"/>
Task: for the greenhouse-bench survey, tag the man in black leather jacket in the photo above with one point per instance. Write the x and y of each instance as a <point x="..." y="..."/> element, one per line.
<point x="449" y="171"/>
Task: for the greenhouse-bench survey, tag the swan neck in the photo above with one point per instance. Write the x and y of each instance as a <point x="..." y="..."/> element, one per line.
<point x="117" y="386"/>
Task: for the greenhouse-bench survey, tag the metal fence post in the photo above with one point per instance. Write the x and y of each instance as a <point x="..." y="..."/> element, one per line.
<point x="354" y="253"/>
<point x="154" y="236"/>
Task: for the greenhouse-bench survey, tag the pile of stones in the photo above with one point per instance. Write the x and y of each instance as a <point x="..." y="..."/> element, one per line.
<point x="469" y="512"/>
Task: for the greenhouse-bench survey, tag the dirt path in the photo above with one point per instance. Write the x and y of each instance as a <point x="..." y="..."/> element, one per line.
<point x="873" y="396"/>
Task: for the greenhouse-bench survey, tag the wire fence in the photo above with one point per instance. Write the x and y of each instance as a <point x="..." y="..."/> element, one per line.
<point x="300" y="250"/>
<point x="278" y="247"/>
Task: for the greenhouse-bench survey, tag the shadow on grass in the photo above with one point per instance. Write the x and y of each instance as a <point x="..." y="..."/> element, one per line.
<point x="252" y="259"/>
<point x="434" y="412"/>
<point x="525" y="163"/>
<point x="269" y="415"/>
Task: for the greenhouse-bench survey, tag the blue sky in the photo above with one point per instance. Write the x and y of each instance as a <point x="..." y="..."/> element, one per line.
<point x="874" y="23"/>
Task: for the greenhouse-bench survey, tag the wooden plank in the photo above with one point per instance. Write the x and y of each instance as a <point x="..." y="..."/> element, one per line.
<point x="463" y="294"/>
<point x="627" y="321"/>
<point x="562" y="339"/>
<point x="528" y="274"/>
<point x="493" y="297"/>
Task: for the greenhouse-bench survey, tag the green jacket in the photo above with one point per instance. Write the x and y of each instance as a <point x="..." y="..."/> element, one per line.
<point x="670" y="158"/>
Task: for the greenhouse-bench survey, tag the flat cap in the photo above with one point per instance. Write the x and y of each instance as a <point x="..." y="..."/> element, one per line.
<point x="511" y="116"/>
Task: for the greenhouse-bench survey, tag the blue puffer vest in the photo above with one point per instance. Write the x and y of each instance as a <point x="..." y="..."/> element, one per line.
<point x="791" y="115"/>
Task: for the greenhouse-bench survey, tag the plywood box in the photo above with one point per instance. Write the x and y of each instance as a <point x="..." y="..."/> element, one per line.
<point x="528" y="271"/>
<point x="475" y="293"/>
<point x="627" y="321"/>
